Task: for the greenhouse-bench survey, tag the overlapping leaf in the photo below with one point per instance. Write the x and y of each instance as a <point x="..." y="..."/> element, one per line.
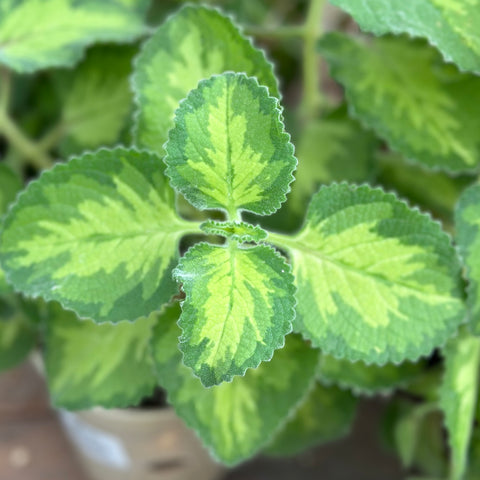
<point x="193" y="44"/>
<point x="97" y="365"/>
<point x="450" y="25"/>
<point x="37" y="34"/>
<point x="234" y="420"/>
<point x="467" y="223"/>
<point x="367" y="379"/>
<point x="98" y="234"/>
<point x="240" y="231"/>
<point x="376" y="281"/>
<point x="228" y="148"/>
<point x="458" y="397"/>
<point x="424" y="109"/>
<point x="239" y="306"/>
<point x="96" y="99"/>
<point x="325" y="415"/>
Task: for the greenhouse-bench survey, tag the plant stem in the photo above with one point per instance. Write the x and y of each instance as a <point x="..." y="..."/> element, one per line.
<point x="312" y="99"/>
<point x="28" y="148"/>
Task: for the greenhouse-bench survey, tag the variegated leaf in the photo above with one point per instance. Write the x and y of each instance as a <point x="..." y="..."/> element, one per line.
<point x="36" y="34"/>
<point x="228" y="148"/>
<point x="98" y="234"/>
<point x="423" y="108"/>
<point x="234" y="420"/>
<point x="97" y="365"/>
<point x="325" y="415"/>
<point x="451" y="25"/>
<point x="458" y="397"/>
<point x="240" y="231"/>
<point x="376" y="281"/>
<point x="192" y="44"/>
<point x="467" y="223"/>
<point x="239" y="306"/>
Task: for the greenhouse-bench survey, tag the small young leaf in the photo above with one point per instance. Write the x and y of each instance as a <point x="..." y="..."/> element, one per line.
<point x="98" y="234"/>
<point x="36" y="34"/>
<point x="424" y="109"/>
<point x="234" y="420"/>
<point x="240" y="231"/>
<point x="450" y="25"/>
<point x="467" y="223"/>
<point x="458" y="397"/>
<point x="96" y="98"/>
<point x="367" y="379"/>
<point x="97" y="365"/>
<point x="195" y="43"/>
<point x="239" y="306"/>
<point x="325" y="415"/>
<point x="376" y="281"/>
<point x="228" y="148"/>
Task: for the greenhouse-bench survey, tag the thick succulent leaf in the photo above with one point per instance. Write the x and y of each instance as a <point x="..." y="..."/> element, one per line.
<point x="451" y="25"/>
<point x="458" y="397"/>
<point x="37" y="34"/>
<point x="96" y="99"/>
<point x="229" y="149"/>
<point x="325" y="415"/>
<point x="376" y="280"/>
<point x="367" y="379"/>
<point x="17" y="333"/>
<point x="90" y="365"/>
<point x="234" y="420"/>
<point x="424" y="109"/>
<point x="467" y="224"/>
<point x="239" y="306"/>
<point x="240" y="231"/>
<point x="193" y="44"/>
<point x="98" y="234"/>
<point x="324" y="151"/>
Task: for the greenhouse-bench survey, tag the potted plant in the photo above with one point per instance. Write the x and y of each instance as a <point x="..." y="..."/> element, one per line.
<point x="191" y="259"/>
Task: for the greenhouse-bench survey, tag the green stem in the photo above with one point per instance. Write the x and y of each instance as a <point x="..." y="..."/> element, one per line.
<point x="52" y="137"/>
<point x="312" y="99"/>
<point x="281" y="240"/>
<point x="5" y="90"/>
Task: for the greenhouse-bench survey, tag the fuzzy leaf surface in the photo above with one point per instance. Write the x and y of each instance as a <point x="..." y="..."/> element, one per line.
<point x="325" y="415"/>
<point x="97" y="365"/>
<point x="467" y="224"/>
<point x="376" y="280"/>
<point x="38" y="34"/>
<point x="239" y="306"/>
<point x="98" y="234"/>
<point x="229" y="149"/>
<point x="450" y="25"/>
<point x="458" y="397"/>
<point x="96" y="98"/>
<point x="234" y="420"/>
<point x="401" y="89"/>
<point x="367" y="379"/>
<point x="240" y="231"/>
<point x="195" y="43"/>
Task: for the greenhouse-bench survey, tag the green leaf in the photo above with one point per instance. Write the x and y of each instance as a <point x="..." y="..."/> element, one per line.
<point x="458" y="397"/>
<point x="424" y="109"/>
<point x="97" y="365"/>
<point x="17" y="333"/>
<point x="228" y="149"/>
<point x="451" y="25"/>
<point x="376" y="280"/>
<point x="239" y="306"/>
<point x="36" y="34"/>
<point x="467" y="223"/>
<point x="324" y="151"/>
<point x="98" y="234"/>
<point x="240" y="231"/>
<point x="325" y="415"/>
<point x="96" y="99"/>
<point x="367" y="379"/>
<point x="234" y="420"/>
<point x="193" y="44"/>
